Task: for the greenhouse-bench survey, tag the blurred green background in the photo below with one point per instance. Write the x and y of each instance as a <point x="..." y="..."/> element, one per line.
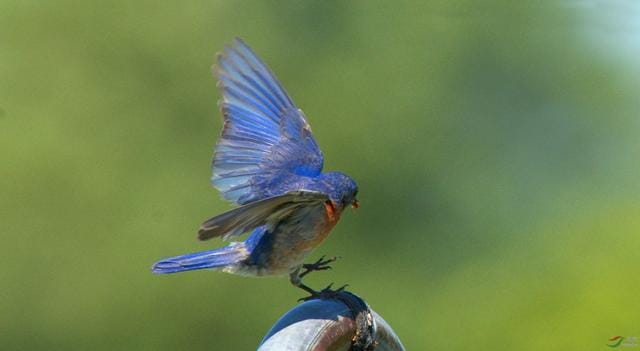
<point x="496" y="147"/>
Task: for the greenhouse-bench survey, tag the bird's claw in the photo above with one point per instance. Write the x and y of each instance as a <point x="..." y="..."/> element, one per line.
<point x="320" y="265"/>
<point x="324" y="294"/>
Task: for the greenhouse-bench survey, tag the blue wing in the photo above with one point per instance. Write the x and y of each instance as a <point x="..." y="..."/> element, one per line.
<point x="267" y="211"/>
<point x="265" y="137"/>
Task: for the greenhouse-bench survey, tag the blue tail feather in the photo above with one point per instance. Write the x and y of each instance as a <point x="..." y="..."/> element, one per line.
<point x="217" y="258"/>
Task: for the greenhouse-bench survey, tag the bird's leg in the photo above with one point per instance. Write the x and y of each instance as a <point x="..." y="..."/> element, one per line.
<point x="296" y="280"/>
<point x="320" y="265"/>
<point x="326" y="293"/>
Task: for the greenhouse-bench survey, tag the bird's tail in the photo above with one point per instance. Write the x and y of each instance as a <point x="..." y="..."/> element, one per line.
<point x="218" y="258"/>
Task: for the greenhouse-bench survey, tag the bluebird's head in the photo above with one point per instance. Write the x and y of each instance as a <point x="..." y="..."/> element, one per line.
<point x="341" y="188"/>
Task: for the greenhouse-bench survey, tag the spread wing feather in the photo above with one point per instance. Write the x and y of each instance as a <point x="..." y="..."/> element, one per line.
<point x="262" y="212"/>
<point x="265" y="137"/>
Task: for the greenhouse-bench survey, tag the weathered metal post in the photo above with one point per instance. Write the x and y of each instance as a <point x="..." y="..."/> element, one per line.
<point x="342" y="321"/>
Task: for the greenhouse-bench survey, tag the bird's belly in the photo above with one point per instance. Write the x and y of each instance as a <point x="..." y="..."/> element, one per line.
<point x="294" y="239"/>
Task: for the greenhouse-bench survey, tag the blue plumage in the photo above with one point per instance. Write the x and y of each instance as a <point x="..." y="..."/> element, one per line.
<point x="217" y="258"/>
<point x="224" y="257"/>
<point x="264" y="137"/>
<point x="267" y="161"/>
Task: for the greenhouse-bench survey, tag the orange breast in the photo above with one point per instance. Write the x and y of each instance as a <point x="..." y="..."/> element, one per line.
<point x="296" y="250"/>
<point x="330" y="210"/>
<point x="332" y="216"/>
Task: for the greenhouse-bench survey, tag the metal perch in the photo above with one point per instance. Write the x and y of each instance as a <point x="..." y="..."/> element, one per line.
<point x="342" y="321"/>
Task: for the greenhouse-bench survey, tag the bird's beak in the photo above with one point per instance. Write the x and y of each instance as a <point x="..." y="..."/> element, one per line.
<point x="355" y="204"/>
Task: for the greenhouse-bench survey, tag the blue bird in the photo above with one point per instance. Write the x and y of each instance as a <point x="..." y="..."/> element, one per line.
<point x="268" y="162"/>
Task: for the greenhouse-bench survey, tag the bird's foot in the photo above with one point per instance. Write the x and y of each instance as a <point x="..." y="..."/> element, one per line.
<point x="326" y="293"/>
<point x="320" y="265"/>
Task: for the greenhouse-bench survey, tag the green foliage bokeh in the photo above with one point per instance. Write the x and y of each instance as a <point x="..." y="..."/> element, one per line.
<point x="496" y="147"/>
